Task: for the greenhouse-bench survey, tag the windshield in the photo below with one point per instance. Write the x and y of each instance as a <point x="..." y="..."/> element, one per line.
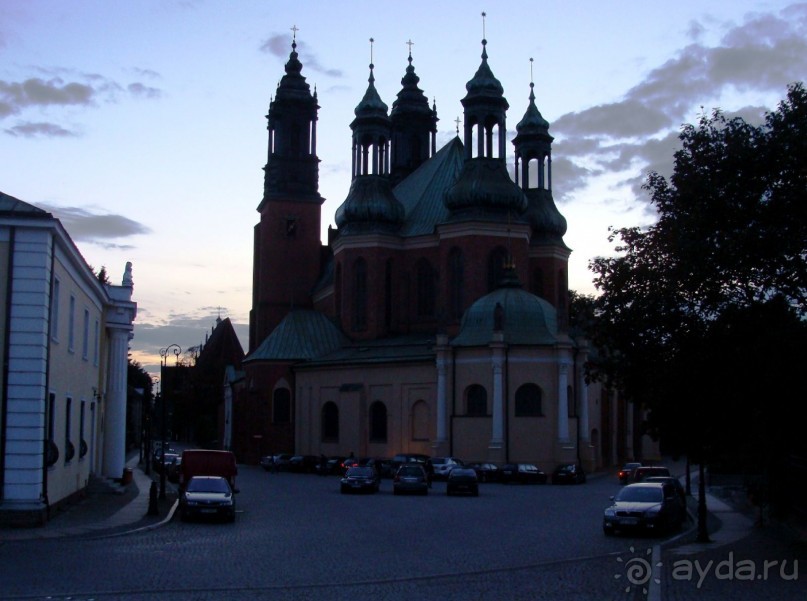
<point x="640" y="495"/>
<point x="360" y="472"/>
<point x="208" y="485"/>
<point x="411" y="471"/>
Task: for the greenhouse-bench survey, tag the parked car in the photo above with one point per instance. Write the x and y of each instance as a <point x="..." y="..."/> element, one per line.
<point x="410" y="478"/>
<point x="444" y="465"/>
<point x="522" y="473"/>
<point x="486" y="472"/>
<point x="672" y="481"/>
<point x="360" y="479"/>
<point x="644" y="506"/>
<point x="423" y="460"/>
<point x="646" y="471"/>
<point x="165" y="461"/>
<point x="462" y="480"/>
<point x="625" y="473"/>
<point x="174" y="468"/>
<point x="569" y="473"/>
<point x="303" y="464"/>
<point x="279" y="462"/>
<point x="207" y="497"/>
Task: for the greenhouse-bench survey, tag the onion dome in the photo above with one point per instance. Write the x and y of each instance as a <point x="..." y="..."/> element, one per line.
<point x="520" y="317"/>
<point x="484" y="187"/>
<point x="292" y="85"/>
<point x="484" y="84"/>
<point x="533" y="122"/>
<point x="370" y="206"/>
<point x="547" y="223"/>
<point x="411" y="98"/>
<point x="371" y="106"/>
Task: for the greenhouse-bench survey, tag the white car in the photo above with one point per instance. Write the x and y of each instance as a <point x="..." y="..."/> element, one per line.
<point x="444" y="465"/>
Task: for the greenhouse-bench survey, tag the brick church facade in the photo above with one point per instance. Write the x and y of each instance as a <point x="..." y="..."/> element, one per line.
<point x="435" y="317"/>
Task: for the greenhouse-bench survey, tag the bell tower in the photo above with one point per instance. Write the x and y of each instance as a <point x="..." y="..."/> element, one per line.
<point x="287" y="246"/>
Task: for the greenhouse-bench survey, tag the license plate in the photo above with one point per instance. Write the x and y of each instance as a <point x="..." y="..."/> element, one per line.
<point x="355" y="484"/>
<point x="207" y="511"/>
<point x="628" y="521"/>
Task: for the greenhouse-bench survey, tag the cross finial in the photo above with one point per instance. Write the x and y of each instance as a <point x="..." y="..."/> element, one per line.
<point x="294" y="30"/>
<point x="531" y="79"/>
<point x="410" y="43"/>
<point x="484" y="14"/>
<point x="371" y="50"/>
<point x="457" y="121"/>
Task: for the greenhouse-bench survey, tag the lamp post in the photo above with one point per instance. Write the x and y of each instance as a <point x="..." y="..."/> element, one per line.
<point x="176" y="350"/>
<point x="148" y="426"/>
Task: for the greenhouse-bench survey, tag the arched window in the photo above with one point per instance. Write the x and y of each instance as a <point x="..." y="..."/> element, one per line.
<point x="378" y="422"/>
<point x="476" y="401"/>
<point x="496" y="262"/>
<point x="281" y="406"/>
<point x="330" y="422"/>
<point x="360" y="294"/>
<point x="455" y="283"/>
<point x="528" y="401"/>
<point x="538" y="282"/>
<point x="425" y="289"/>
<point x="388" y="304"/>
<point x="420" y="421"/>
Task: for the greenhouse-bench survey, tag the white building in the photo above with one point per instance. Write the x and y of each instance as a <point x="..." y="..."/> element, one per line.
<point x="63" y="349"/>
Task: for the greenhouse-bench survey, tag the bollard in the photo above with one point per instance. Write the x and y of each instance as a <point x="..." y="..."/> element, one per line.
<point x="153" y="500"/>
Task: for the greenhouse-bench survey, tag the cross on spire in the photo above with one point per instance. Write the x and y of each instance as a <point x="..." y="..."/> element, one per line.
<point x="484" y="14"/>
<point x="294" y="30"/>
<point x="371" y="51"/>
<point x="457" y="122"/>
<point x="410" y="43"/>
<point x="531" y="79"/>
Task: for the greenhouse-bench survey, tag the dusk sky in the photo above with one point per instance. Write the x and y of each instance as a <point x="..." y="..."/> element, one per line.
<point x="141" y="124"/>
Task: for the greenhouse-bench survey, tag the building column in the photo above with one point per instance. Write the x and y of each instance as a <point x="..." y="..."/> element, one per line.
<point x="497" y="427"/>
<point x="115" y="405"/>
<point x="582" y="395"/>
<point x="440" y="444"/>
<point x="563" y="403"/>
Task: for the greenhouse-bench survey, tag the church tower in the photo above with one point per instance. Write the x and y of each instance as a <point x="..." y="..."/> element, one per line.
<point x="414" y="127"/>
<point x="549" y="255"/>
<point x="290" y="211"/>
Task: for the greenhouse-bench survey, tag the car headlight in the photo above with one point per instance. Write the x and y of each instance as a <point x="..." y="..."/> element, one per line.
<point x="610" y="512"/>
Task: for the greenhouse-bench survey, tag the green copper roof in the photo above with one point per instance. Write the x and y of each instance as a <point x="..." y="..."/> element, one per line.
<point x="523" y="319"/>
<point x="302" y="335"/>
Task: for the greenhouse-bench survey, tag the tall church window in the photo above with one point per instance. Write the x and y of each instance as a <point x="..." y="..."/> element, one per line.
<point x="281" y="406"/>
<point x="388" y="295"/>
<point x="476" y="401"/>
<point x="360" y="294"/>
<point x="496" y="262"/>
<point x="421" y="419"/>
<point x="528" y="401"/>
<point x="538" y="282"/>
<point x="571" y="401"/>
<point x="455" y="283"/>
<point x="378" y="422"/>
<point x="330" y="422"/>
<point x="425" y="289"/>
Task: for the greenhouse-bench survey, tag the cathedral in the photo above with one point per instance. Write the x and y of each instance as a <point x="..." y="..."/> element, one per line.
<point x="435" y="318"/>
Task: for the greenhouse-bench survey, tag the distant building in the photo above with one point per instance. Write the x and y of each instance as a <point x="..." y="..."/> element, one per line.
<point x="435" y="319"/>
<point x="64" y="344"/>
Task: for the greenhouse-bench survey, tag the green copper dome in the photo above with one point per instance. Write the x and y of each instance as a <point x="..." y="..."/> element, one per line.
<point x="520" y="316"/>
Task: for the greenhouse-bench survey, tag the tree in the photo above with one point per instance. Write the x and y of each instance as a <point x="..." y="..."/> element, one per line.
<point x="728" y="254"/>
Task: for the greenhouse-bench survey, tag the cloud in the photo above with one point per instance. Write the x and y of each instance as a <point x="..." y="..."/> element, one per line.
<point x="35" y="130"/>
<point x="763" y="55"/>
<point x="139" y="90"/>
<point x="84" y="225"/>
<point x="39" y="92"/>
<point x="280" y="45"/>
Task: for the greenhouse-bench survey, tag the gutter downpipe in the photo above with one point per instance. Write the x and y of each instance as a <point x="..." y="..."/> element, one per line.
<point x="4" y="375"/>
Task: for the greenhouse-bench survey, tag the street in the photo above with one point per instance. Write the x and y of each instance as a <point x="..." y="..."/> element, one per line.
<point x="297" y="537"/>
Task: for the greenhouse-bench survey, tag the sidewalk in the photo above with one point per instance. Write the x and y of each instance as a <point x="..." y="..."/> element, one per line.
<point x="104" y="514"/>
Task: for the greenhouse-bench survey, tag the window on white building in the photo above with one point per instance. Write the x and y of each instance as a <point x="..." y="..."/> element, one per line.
<point x="71" y="325"/>
<point x="54" y="311"/>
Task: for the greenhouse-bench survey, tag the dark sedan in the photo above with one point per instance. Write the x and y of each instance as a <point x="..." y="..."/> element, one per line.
<point x="410" y="477"/>
<point x="462" y="480"/>
<point x="647" y="507"/>
<point x="360" y="479"/>
<point x="569" y="473"/>
<point x="487" y="472"/>
<point x="207" y="497"/>
<point x="522" y="473"/>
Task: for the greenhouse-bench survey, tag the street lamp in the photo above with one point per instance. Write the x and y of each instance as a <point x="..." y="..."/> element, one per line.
<point x="176" y="350"/>
<point x="148" y="425"/>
